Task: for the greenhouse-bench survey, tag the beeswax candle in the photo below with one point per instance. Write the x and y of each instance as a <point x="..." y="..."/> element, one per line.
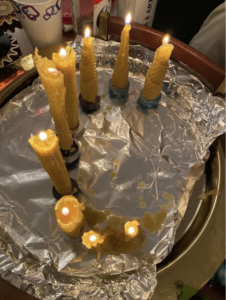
<point x="53" y="82"/>
<point x="157" y="71"/>
<point x="121" y="72"/>
<point x="46" y="147"/>
<point x="88" y="72"/>
<point x="65" y="62"/>
<point x="69" y="215"/>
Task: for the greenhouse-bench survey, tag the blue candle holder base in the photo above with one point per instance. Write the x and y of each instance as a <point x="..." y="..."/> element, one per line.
<point x="149" y="103"/>
<point x="75" y="190"/>
<point x="119" y="94"/>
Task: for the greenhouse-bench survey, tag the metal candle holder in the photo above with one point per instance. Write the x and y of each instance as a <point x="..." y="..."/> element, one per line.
<point x="75" y="190"/>
<point x="72" y="155"/>
<point x="89" y="106"/>
<point x="119" y="94"/>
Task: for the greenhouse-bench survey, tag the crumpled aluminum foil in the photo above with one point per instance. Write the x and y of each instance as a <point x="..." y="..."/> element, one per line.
<point x="166" y="148"/>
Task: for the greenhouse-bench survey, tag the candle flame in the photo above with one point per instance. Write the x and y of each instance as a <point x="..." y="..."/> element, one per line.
<point x="65" y="211"/>
<point x="63" y="53"/>
<point x="131" y="230"/>
<point x="128" y="19"/>
<point x="42" y="136"/>
<point x="53" y="70"/>
<point x="92" y="238"/>
<point x="166" y="39"/>
<point x="87" y="32"/>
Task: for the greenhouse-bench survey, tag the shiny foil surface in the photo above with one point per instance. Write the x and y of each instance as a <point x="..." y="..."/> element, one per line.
<point x="165" y="148"/>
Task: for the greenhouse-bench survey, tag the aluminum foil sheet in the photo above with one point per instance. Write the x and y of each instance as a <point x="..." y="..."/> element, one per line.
<point x="164" y="148"/>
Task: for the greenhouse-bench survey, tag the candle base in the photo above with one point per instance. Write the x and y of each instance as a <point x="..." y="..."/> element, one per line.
<point x="89" y="106"/>
<point x="120" y="94"/>
<point x="72" y="155"/>
<point x="79" y="130"/>
<point x="75" y="190"/>
<point x="149" y="103"/>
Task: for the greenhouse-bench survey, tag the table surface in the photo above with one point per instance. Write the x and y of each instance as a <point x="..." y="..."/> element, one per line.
<point x="9" y="292"/>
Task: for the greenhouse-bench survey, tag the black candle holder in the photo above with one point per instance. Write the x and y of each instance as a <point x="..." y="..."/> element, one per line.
<point x="119" y="94"/>
<point x="72" y="155"/>
<point x="89" y="106"/>
<point x="75" y="190"/>
<point x="149" y="103"/>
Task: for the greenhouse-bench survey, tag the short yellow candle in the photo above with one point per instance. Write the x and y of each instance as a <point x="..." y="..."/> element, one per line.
<point x="69" y="215"/>
<point x="88" y="71"/>
<point x="92" y="239"/>
<point x="65" y="62"/>
<point x="132" y="228"/>
<point x="121" y="73"/>
<point x="53" y="82"/>
<point x="46" y="147"/>
<point x="157" y="71"/>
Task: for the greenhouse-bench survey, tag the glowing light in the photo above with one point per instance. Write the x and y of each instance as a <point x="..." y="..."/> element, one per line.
<point x="65" y="211"/>
<point x="128" y="19"/>
<point x="52" y="70"/>
<point x="92" y="238"/>
<point x="166" y="39"/>
<point x="131" y="230"/>
<point x="42" y="136"/>
<point x="87" y="32"/>
<point x="63" y="53"/>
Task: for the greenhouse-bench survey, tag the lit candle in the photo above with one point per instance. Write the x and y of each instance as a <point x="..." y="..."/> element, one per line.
<point x="53" y="82"/>
<point x="92" y="239"/>
<point x="65" y="62"/>
<point x="132" y="228"/>
<point x="69" y="215"/>
<point x="88" y="72"/>
<point x="121" y="73"/>
<point x="157" y="71"/>
<point x="46" y="147"/>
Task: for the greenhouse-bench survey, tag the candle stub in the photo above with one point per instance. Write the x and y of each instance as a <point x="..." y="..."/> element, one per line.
<point x="92" y="239"/>
<point x="132" y="228"/>
<point x="69" y="215"/>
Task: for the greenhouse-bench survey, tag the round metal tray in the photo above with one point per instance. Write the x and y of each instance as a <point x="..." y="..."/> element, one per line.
<point x="199" y="245"/>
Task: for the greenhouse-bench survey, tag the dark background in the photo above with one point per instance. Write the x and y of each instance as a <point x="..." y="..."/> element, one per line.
<point x="183" y="18"/>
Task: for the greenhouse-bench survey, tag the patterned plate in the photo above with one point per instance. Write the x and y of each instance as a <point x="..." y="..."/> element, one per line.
<point x="7" y="13"/>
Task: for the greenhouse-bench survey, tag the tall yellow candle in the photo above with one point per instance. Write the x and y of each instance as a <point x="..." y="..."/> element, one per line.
<point x="46" y="147"/>
<point x="121" y="72"/>
<point x="65" y="61"/>
<point x="157" y="71"/>
<point x="69" y="215"/>
<point x="53" y="82"/>
<point x="88" y="71"/>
